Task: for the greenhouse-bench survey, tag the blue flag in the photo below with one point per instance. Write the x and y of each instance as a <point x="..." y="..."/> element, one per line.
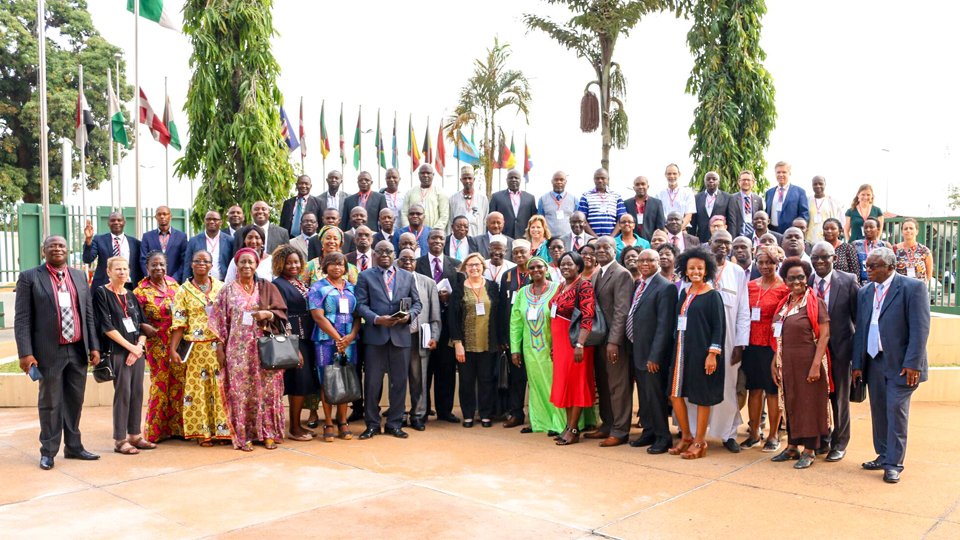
<point x="287" y="132"/>
<point x="466" y="151"/>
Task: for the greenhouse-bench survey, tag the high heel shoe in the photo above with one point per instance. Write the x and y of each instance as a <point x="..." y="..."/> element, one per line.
<point x="574" y="437"/>
<point x="696" y="451"/>
<point x="681" y="447"/>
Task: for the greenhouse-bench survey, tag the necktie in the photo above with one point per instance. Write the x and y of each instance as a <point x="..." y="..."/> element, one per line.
<point x="363" y="262"/>
<point x="873" y="336"/>
<point x="437" y="271"/>
<point x="821" y="288"/>
<point x="780" y="194"/>
<point x="116" y="246"/>
<point x="676" y="241"/>
<point x="388" y="281"/>
<point x="576" y="242"/>
<point x="633" y="306"/>
<point x="66" y="312"/>
<point x="748" y="212"/>
<point x="164" y="238"/>
<point x="297" y="214"/>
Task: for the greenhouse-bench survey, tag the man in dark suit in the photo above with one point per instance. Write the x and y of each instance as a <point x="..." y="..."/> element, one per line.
<point x="333" y="197"/>
<point x="612" y="365"/>
<point x="458" y="245"/>
<point x="442" y="370"/>
<point x="171" y="242"/>
<point x="382" y="292"/>
<point x="647" y="211"/>
<point x="578" y="236"/>
<point x="838" y="290"/>
<point x="761" y="224"/>
<point x="213" y="240"/>
<point x="56" y="333"/>
<point x="890" y="345"/>
<point x="746" y="203"/>
<point x="276" y="235"/>
<point x="362" y="256"/>
<point x="295" y="207"/>
<point x="235" y="221"/>
<point x="516" y="206"/>
<point x="650" y="328"/>
<point x="712" y="202"/>
<point x="786" y="202"/>
<point x="112" y="244"/>
<point x="510" y="282"/>
<point x="675" y="234"/>
<point x="387" y="225"/>
<point x="371" y="201"/>
<point x="494" y="228"/>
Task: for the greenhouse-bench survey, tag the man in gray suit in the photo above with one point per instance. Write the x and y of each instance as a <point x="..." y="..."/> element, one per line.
<point x="383" y="292"/>
<point x="516" y="206"/>
<point x="893" y="323"/>
<point x="276" y="235"/>
<point x="612" y="359"/>
<point x="419" y="355"/>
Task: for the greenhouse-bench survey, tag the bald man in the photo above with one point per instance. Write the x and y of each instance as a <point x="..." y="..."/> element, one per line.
<point x="558" y="205"/>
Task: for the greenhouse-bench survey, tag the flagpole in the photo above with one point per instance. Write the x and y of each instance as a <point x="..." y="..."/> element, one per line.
<point x="83" y="160"/>
<point x="119" y="100"/>
<point x="166" y="149"/>
<point x="113" y="201"/>
<point x="303" y="169"/>
<point x="42" y="84"/>
<point x="136" y="122"/>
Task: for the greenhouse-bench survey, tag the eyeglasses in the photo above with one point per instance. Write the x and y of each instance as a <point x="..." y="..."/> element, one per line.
<point x="406" y="259"/>
<point x="383" y="251"/>
<point x="874" y="266"/>
<point x="821" y="257"/>
<point x="475" y="265"/>
<point x="795" y="279"/>
<point x="201" y="261"/>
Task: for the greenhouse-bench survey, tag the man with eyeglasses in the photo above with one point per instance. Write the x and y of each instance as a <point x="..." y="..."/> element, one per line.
<point x="214" y="241"/>
<point x="426" y="328"/>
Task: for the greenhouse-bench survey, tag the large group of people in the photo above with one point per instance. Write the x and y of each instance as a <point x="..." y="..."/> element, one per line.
<point x="554" y="310"/>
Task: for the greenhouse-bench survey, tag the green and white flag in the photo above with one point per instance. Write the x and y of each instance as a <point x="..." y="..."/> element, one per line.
<point x="118" y="132"/>
<point x="171" y="127"/>
<point x="156" y="12"/>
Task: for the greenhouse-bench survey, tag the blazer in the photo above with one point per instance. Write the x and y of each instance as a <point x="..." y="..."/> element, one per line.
<point x="430" y="308"/>
<point x="904" y="328"/>
<point x="101" y="249"/>
<point x="724" y="206"/>
<point x="312" y="206"/>
<point x="371" y="261"/>
<point x="568" y="240"/>
<point x="199" y="242"/>
<point x="372" y="301"/>
<point x="842" y="307"/>
<point x="393" y="238"/>
<point x="341" y="199"/>
<point x="510" y="283"/>
<point x="276" y="235"/>
<point x="654" y="323"/>
<point x="794" y="206"/>
<point x="375" y="202"/>
<point x="456" y="315"/>
<point x="653" y="216"/>
<point x="689" y="240"/>
<point x="514" y="225"/>
<point x="736" y="221"/>
<point x="449" y="266"/>
<point x="176" y="246"/>
<point x="482" y="241"/>
<point x="37" y="320"/>
<point x="472" y="246"/>
<point x="609" y="288"/>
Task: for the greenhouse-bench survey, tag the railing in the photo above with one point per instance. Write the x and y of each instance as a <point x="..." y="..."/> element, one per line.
<point x="942" y="236"/>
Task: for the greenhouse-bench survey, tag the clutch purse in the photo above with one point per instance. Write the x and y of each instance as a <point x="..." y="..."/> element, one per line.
<point x="858" y="391"/>
<point x="340" y="381"/>
<point x="278" y="351"/>
<point x="103" y="372"/>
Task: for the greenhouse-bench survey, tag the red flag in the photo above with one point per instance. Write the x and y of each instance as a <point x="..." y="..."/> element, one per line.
<point x="152" y="121"/>
<point x="441" y="159"/>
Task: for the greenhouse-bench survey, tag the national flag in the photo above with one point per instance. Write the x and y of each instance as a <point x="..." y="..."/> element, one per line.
<point x="286" y="131"/>
<point x="441" y="159"/>
<point x="148" y="117"/>
<point x="501" y="148"/>
<point x="511" y="155"/>
<point x="83" y="117"/>
<point x="118" y="132"/>
<point x="155" y="11"/>
<point x="324" y="140"/>
<point x="303" y="139"/>
<point x="465" y="151"/>
<point x="394" y="156"/>
<point x="343" y="152"/>
<point x="171" y="127"/>
<point x="527" y="163"/>
<point x="356" y="142"/>
<point x="412" y="149"/>
<point x="427" y="145"/>
<point x="378" y="142"/>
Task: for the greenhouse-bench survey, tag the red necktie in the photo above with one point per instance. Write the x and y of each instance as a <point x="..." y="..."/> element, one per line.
<point x="116" y="246"/>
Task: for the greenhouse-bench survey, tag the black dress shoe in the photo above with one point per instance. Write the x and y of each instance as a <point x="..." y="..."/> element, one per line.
<point x="874" y="465"/>
<point x="418" y="425"/>
<point x="486" y="423"/>
<point x="449" y="418"/>
<point x="369" y="432"/>
<point x="355" y="416"/>
<point x="835" y="455"/>
<point x="81" y="455"/>
<point x="46" y="462"/>
<point x="526" y="429"/>
<point x="732" y="445"/>
<point x="658" y="448"/>
<point x="640" y="442"/>
<point x="397" y="432"/>
<point x="822" y="450"/>
<point x="891" y="476"/>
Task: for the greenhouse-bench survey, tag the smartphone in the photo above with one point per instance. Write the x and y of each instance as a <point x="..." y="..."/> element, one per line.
<point x="34" y="373"/>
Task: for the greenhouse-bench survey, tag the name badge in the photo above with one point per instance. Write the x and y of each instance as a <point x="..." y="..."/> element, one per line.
<point x="862" y="233"/>
<point x="817" y="218"/>
<point x="911" y="271"/>
<point x="755" y="314"/>
<point x="247" y="319"/>
<point x="343" y="306"/>
<point x="559" y="214"/>
<point x="481" y="310"/>
<point x="513" y="298"/>
<point x="682" y="323"/>
<point x="64" y="299"/>
<point x="777" y="328"/>
<point x="532" y="313"/>
<point x="128" y="324"/>
<point x="639" y="219"/>
<point x="553" y="311"/>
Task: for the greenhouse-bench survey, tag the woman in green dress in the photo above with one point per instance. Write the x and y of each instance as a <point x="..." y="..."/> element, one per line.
<point x="530" y="339"/>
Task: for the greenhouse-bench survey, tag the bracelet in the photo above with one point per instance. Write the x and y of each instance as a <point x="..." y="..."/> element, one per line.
<point x="578" y="346"/>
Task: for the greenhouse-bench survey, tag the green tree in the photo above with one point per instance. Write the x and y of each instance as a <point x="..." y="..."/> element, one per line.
<point x="491" y="88"/>
<point x="233" y="107"/>
<point x="736" y="112"/>
<point x="592" y="33"/>
<point x="953" y="197"/>
<point x="71" y="40"/>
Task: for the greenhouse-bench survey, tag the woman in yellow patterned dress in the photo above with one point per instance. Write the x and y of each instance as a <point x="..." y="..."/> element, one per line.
<point x="204" y="415"/>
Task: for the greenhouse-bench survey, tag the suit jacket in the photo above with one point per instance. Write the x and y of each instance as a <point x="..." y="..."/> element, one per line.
<point x="375" y="202"/>
<point x="341" y="200"/>
<point x="372" y="301"/>
<point x="421" y="240"/>
<point x="842" y="307"/>
<point x="724" y="206"/>
<point x="392" y="238"/>
<point x="689" y="240"/>
<point x="176" y="246"/>
<point x="482" y="241"/>
<point x="472" y="246"/>
<point x="736" y="221"/>
<point x="653" y="216"/>
<point x="654" y="323"/>
<point x="37" y="321"/>
<point x="430" y="309"/>
<point x="449" y="267"/>
<point x="609" y="288"/>
<point x="101" y="249"/>
<point x="456" y="316"/>
<point x="371" y="262"/>
<point x="794" y="206"/>
<point x="276" y="235"/>
<point x="568" y="240"/>
<point x="312" y="206"/>
<point x="199" y="242"/>
<point x="904" y="328"/>
<point x="514" y="224"/>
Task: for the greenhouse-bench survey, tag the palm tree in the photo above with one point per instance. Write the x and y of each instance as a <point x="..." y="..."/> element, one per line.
<point x="491" y="88"/>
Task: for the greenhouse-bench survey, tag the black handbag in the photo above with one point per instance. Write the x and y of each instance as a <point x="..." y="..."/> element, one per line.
<point x="503" y="375"/>
<point x="597" y="335"/>
<point x="278" y="351"/>
<point x="103" y="372"/>
<point x="858" y="390"/>
<point x="340" y="381"/>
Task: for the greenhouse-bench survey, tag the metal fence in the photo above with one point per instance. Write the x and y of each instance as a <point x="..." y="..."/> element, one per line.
<point x="942" y="236"/>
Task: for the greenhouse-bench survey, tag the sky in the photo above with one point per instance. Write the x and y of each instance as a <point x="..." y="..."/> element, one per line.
<point x="864" y="90"/>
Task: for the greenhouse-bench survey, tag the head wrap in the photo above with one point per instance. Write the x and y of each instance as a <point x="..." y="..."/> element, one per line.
<point x="538" y="258"/>
<point x="330" y="228"/>
<point x="241" y="251"/>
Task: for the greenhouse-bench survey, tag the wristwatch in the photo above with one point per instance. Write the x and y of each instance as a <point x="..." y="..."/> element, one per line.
<point x="578" y="346"/>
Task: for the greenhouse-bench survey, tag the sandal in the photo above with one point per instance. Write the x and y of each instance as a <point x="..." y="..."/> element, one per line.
<point x="681" y="447"/>
<point x="696" y="451"/>
<point x="302" y="437"/>
<point x="805" y="461"/>
<point x="124" y="447"/>
<point x="143" y="444"/>
<point x="344" y="431"/>
<point x="574" y="435"/>
<point x="562" y="435"/>
<point x="270" y="444"/>
<point x="786" y="455"/>
<point x="206" y="443"/>
<point x="328" y="433"/>
<point x="248" y="447"/>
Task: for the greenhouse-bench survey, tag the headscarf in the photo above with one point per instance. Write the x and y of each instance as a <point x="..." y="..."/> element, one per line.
<point x="538" y="258"/>
<point x="241" y="251"/>
<point x="330" y="228"/>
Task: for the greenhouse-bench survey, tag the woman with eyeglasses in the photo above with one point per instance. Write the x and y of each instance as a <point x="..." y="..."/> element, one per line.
<point x="556" y="248"/>
<point x="588" y="254"/>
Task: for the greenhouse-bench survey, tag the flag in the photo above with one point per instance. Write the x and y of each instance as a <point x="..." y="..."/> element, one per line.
<point x="527" y="163"/>
<point x="155" y="11"/>
<point x="356" y="142"/>
<point x="148" y="117"/>
<point x="324" y="140"/>
<point x="511" y="155"/>
<point x="84" y="117"/>
<point x="427" y="145"/>
<point x="118" y="132"/>
<point x="343" y="153"/>
<point x="303" y="140"/>
<point x="465" y="151"/>
<point x="378" y="142"/>
<point x="171" y="127"/>
<point x="286" y="131"/>
<point x="394" y="157"/>
<point x="412" y="149"/>
<point x="440" y="161"/>
<point x="501" y="147"/>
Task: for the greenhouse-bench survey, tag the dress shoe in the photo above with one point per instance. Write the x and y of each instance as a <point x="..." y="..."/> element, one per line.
<point x="449" y="418"/>
<point x="369" y="433"/>
<point x="418" y="425"/>
<point x="612" y="441"/>
<point x="822" y="450"/>
<point x="355" y="416"/>
<point x="732" y="446"/>
<point x="891" y="476"/>
<point x="431" y="412"/>
<point x="874" y="465"/>
<point x="512" y="421"/>
<point x="468" y="423"/>
<point x="659" y="448"/>
<point x="640" y="442"/>
<point x="526" y="429"/>
<point x="81" y="455"/>
<point x="596" y="435"/>
<point x="486" y="423"/>
<point x="836" y="455"/>
<point x="46" y="462"/>
<point x="396" y="432"/>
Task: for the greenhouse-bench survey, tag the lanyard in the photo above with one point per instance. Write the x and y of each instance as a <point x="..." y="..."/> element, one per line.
<point x="825" y="289"/>
<point x="560" y="200"/>
<point x="474" y="291"/>
<point x="363" y="198"/>
<point x="640" y="207"/>
<point x="673" y="194"/>
<point x="763" y="291"/>
<point x="206" y="295"/>
<point x="716" y="280"/>
<point x="392" y="197"/>
<point x="686" y="303"/>
<point x="123" y="304"/>
<point x="456" y="247"/>
<point x="341" y="286"/>
<point x="496" y="276"/>
<point x="424" y="193"/>
<point x="212" y="246"/>
<point x="819" y="204"/>
<point x="878" y="300"/>
<point x="417" y="234"/>
<point x="536" y="297"/>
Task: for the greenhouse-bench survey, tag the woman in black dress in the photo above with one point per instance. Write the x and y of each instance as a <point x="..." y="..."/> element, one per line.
<point x="697" y="375"/>
<point x="302" y="381"/>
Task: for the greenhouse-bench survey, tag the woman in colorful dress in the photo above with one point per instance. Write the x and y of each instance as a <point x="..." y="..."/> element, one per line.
<point x="331" y="241"/>
<point x="573" y="388"/>
<point x="697" y="376"/>
<point x="165" y="401"/>
<point x="913" y="258"/>
<point x="333" y="305"/>
<point x="288" y="263"/>
<point x="846" y="255"/>
<point x="556" y="248"/>
<point x="801" y="364"/>
<point x="254" y="238"/>
<point x="871" y="241"/>
<point x="538" y="234"/>
<point x="253" y="395"/>
<point x="861" y="209"/>
<point x="204" y="413"/>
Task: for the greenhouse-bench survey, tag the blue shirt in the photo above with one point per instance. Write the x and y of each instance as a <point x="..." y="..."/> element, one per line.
<point x="603" y="210"/>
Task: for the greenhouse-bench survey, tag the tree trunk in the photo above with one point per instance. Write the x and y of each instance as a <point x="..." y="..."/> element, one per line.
<point x="606" y="58"/>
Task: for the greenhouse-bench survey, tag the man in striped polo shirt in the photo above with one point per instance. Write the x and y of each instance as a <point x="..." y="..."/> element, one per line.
<point x="601" y="207"/>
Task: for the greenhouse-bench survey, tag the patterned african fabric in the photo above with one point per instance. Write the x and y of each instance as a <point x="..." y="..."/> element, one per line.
<point x="165" y="400"/>
<point x="324" y="295"/>
<point x="313" y="272"/>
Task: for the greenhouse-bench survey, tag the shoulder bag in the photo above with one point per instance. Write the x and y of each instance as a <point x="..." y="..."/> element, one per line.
<point x="597" y="335"/>
<point x="340" y="381"/>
